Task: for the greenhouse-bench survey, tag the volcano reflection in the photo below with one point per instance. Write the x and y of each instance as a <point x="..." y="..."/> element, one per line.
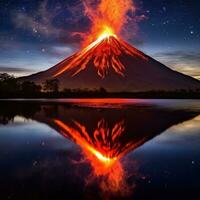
<point x="106" y="134"/>
<point x="107" y="137"/>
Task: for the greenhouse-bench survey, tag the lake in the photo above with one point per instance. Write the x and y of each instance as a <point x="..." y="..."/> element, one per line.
<point x="99" y="149"/>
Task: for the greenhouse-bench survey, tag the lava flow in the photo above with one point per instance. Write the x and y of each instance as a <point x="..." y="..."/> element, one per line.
<point x="105" y="53"/>
<point x="103" y="48"/>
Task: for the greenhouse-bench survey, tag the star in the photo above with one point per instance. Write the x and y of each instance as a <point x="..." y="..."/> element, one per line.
<point x="35" y="30"/>
<point x="191" y="32"/>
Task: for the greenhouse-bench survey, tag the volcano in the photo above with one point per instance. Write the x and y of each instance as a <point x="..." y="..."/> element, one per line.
<point x="115" y="65"/>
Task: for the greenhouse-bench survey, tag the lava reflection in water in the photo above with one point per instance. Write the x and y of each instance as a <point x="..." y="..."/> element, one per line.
<point x="103" y="150"/>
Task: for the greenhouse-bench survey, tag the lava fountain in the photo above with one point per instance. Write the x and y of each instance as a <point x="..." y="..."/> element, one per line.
<point x="107" y="17"/>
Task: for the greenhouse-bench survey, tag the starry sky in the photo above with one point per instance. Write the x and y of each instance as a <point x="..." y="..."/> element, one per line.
<point x="37" y="34"/>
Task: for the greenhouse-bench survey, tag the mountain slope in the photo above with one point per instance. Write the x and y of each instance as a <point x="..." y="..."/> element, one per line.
<point x="115" y="65"/>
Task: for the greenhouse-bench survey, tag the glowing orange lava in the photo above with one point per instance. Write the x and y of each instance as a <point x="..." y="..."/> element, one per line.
<point x="107" y="52"/>
<point x="99" y="146"/>
<point x="107" y="32"/>
<point x="107" y="16"/>
<point x="104" y="143"/>
<point x="102" y="148"/>
<point x="84" y="142"/>
<point x="103" y="48"/>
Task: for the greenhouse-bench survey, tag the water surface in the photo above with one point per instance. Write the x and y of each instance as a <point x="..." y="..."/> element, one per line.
<point x="102" y="148"/>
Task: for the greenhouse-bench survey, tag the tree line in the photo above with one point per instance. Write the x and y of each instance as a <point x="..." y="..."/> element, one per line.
<point x="11" y="87"/>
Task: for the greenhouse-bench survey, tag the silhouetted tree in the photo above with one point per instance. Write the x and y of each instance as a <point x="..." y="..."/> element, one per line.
<point x="5" y="77"/>
<point x="28" y="87"/>
<point x="67" y="90"/>
<point x="51" y="85"/>
<point x="102" y="90"/>
<point x="8" y="84"/>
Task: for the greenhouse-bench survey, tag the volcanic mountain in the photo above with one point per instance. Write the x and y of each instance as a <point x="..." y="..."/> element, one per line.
<point x="113" y="64"/>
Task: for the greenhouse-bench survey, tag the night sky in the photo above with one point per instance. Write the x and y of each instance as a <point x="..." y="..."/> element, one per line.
<point x="35" y="35"/>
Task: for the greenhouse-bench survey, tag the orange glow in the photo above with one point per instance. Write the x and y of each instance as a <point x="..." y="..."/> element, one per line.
<point x="104" y="143"/>
<point x="102" y="149"/>
<point x="103" y="48"/>
<point x="107" y="32"/>
<point x="104" y="54"/>
<point x="82" y="138"/>
<point x="107" y="15"/>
